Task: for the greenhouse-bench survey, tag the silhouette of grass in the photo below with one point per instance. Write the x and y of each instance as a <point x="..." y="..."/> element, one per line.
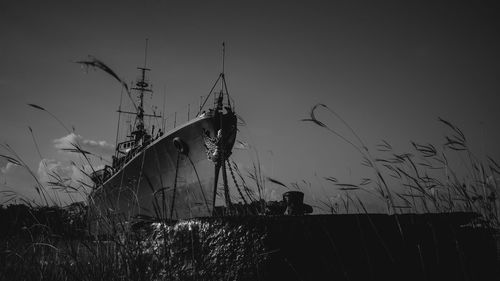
<point x="82" y="242"/>
<point x="423" y="180"/>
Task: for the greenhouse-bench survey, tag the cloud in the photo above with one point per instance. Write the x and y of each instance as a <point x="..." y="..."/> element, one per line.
<point x="17" y="179"/>
<point x="7" y="168"/>
<point x="52" y="170"/>
<point x="21" y="182"/>
<point x="100" y="148"/>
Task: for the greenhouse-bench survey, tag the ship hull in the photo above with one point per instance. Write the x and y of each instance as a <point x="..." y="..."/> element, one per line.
<point x="165" y="180"/>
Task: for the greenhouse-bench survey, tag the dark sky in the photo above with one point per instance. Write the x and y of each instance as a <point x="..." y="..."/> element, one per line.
<point x="389" y="68"/>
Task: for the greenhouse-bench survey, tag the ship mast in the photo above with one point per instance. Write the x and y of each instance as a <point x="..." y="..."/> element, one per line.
<point x="219" y="96"/>
<point x="143" y="87"/>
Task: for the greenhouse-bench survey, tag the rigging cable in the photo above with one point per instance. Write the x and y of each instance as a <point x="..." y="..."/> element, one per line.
<point x="175" y="185"/>
<point x="199" y="182"/>
<point x="235" y="182"/>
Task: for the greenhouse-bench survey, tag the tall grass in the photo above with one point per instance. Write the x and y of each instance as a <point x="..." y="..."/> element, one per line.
<point x="57" y="244"/>
<point x="111" y="247"/>
<point x="422" y="180"/>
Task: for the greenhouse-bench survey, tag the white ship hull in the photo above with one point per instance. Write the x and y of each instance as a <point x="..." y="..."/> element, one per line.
<point x="161" y="181"/>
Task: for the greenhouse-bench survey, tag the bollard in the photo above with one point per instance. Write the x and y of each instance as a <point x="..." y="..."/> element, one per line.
<point x="294" y="203"/>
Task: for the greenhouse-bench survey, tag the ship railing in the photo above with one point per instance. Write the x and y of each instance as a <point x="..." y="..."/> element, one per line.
<point x="193" y="110"/>
<point x="182" y="115"/>
<point x="124" y="160"/>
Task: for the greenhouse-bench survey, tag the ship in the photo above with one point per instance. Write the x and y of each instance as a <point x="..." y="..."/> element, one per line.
<point x="169" y="175"/>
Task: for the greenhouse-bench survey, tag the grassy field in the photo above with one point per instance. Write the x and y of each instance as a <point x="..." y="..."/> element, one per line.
<point x="42" y="244"/>
<point x="452" y="237"/>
